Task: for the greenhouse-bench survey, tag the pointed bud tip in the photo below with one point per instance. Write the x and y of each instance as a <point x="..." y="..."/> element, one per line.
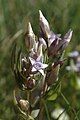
<point x="70" y="31"/>
<point x="30" y="28"/>
<point x="68" y="35"/>
<point x="29" y="24"/>
<point x="41" y="14"/>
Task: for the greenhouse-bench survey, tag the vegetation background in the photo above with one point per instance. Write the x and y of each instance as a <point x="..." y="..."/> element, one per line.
<point x="14" y="15"/>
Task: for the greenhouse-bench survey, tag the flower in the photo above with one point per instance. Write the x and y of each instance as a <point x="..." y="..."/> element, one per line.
<point x="58" y="45"/>
<point x="53" y="48"/>
<point x="53" y="37"/>
<point x="74" y="58"/>
<point x="37" y="65"/>
<point x="65" y="41"/>
<point x="74" y="54"/>
<point x="55" y="44"/>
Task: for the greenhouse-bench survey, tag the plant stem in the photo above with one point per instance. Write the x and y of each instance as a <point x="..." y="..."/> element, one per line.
<point x="76" y="117"/>
<point x="46" y="109"/>
<point x="43" y="108"/>
<point x="28" y="98"/>
<point x="65" y="99"/>
<point x="41" y="113"/>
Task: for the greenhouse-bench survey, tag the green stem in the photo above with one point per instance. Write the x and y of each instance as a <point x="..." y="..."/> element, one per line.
<point x="76" y="117"/>
<point x="41" y="113"/>
<point x="77" y="113"/>
<point x="65" y="99"/>
<point x="46" y="109"/>
<point x="28" y="98"/>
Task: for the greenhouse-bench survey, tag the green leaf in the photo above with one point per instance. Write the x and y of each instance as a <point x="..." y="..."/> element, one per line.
<point x="13" y="57"/>
<point x="18" y="64"/>
<point x="52" y="97"/>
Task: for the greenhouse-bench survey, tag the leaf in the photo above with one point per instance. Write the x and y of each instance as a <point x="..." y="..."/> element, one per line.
<point x="30" y="118"/>
<point x="52" y="97"/>
<point x="35" y="113"/>
<point x="13" y="57"/>
<point x="18" y="64"/>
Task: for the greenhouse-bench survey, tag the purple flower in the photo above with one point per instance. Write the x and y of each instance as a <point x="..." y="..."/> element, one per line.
<point x="58" y="44"/>
<point x="53" y="37"/>
<point x="74" y="54"/>
<point x="37" y="65"/>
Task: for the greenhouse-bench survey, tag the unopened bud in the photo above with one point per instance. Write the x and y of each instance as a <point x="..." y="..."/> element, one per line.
<point x="44" y="25"/>
<point x="29" y="37"/>
<point x="52" y="75"/>
<point x="30" y="83"/>
<point x="24" y="104"/>
<point x="64" y="43"/>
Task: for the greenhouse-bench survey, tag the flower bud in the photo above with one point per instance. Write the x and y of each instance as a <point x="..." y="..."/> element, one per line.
<point x="29" y="37"/>
<point x="59" y="44"/>
<point x="44" y="25"/>
<point x="65" y="41"/>
<point x="30" y="83"/>
<point x="52" y="75"/>
<point x="24" y="104"/>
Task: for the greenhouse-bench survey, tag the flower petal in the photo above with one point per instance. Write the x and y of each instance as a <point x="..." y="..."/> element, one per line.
<point x="44" y="66"/>
<point x="42" y="41"/>
<point x="32" y="60"/>
<point x="33" y="69"/>
<point x="41" y="71"/>
<point x="68" y="35"/>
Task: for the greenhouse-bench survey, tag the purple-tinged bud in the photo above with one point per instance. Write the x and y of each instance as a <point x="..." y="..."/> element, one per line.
<point x="29" y="37"/>
<point x="58" y="45"/>
<point x="52" y="75"/>
<point x="30" y="83"/>
<point x="65" y="41"/>
<point x="44" y="25"/>
<point x="53" y="49"/>
<point x="42" y="41"/>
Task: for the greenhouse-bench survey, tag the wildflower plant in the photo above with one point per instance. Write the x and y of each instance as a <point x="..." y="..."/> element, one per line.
<point x="36" y="73"/>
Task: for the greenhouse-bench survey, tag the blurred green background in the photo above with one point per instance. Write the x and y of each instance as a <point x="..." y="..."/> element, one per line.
<point x="14" y="15"/>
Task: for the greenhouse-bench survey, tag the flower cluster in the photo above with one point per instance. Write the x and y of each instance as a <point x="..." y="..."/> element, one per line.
<point x="38" y="70"/>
